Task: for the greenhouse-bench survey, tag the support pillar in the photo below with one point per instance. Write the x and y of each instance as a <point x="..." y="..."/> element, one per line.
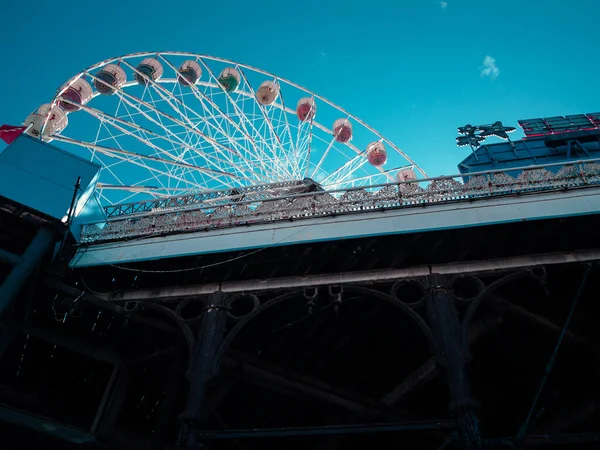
<point x="445" y="325"/>
<point x="19" y="274"/>
<point x="203" y="367"/>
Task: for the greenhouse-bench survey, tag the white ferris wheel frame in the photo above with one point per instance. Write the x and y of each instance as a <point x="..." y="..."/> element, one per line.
<point x="276" y="162"/>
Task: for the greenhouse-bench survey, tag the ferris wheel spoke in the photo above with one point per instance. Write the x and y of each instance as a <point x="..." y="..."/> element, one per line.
<point x="229" y="156"/>
<point x="172" y="100"/>
<point x="192" y="156"/>
<point x="181" y="142"/>
<point x="267" y="121"/>
<point x="127" y="154"/>
<point x="309" y="141"/>
<point x="190" y="138"/>
<point x="152" y="190"/>
<point x="325" y="153"/>
<point x="370" y="179"/>
<point x="345" y="171"/>
<point x="135" y="194"/>
<point x="110" y="167"/>
<point x="359" y="153"/>
<point x="225" y="118"/>
<point x="105" y="167"/>
<point x="280" y="130"/>
<point x="244" y="119"/>
<point x="102" y="196"/>
<point x="112" y="120"/>
<point x="187" y="132"/>
<point x="304" y="141"/>
<point x="171" y="169"/>
<point x="131" y="187"/>
<point x="114" y="153"/>
<point x="202" y="98"/>
<point x="289" y="132"/>
<point x="175" y="120"/>
<point x="131" y="100"/>
<point x="159" y="151"/>
<point x="168" y="168"/>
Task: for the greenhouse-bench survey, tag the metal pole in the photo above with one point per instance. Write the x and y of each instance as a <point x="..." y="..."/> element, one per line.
<point x="445" y="324"/>
<point x="20" y="273"/>
<point x="371" y="276"/>
<point x="203" y="367"/>
<point x="70" y="216"/>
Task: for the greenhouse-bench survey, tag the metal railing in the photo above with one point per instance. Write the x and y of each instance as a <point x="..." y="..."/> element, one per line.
<point x="257" y="192"/>
<point x="271" y="206"/>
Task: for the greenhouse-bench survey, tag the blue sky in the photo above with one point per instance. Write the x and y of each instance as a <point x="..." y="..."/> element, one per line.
<point x="411" y="69"/>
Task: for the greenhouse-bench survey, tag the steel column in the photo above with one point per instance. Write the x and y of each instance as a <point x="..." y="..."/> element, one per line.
<point x="445" y="324"/>
<point x="20" y="272"/>
<point x="203" y="367"/>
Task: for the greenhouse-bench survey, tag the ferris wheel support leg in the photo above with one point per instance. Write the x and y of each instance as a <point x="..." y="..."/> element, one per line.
<point x="450" y="353"/>
<point x="203" y="367"/>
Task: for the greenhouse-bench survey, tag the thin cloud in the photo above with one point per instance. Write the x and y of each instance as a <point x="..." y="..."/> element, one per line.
<point x="489" y="68"/>
<point x="444" y="5"/>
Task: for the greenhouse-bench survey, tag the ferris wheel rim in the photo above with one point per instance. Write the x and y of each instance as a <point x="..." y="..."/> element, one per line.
<point x="200" y="56"/>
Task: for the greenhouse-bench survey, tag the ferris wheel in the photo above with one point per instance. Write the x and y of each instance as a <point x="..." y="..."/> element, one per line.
<point x="172" y="123"/>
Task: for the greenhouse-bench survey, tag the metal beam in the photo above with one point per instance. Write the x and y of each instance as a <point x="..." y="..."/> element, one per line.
<point x="273" y="377"/>
<point x="523" y="313"/>
<point x="371" y="277"/>
<point x="329" y="430"/>
<point x="416" y="378"/>
<point x="45" y="426"/>
<point x="429" y="370"/>
<point x="102" y="303"/>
